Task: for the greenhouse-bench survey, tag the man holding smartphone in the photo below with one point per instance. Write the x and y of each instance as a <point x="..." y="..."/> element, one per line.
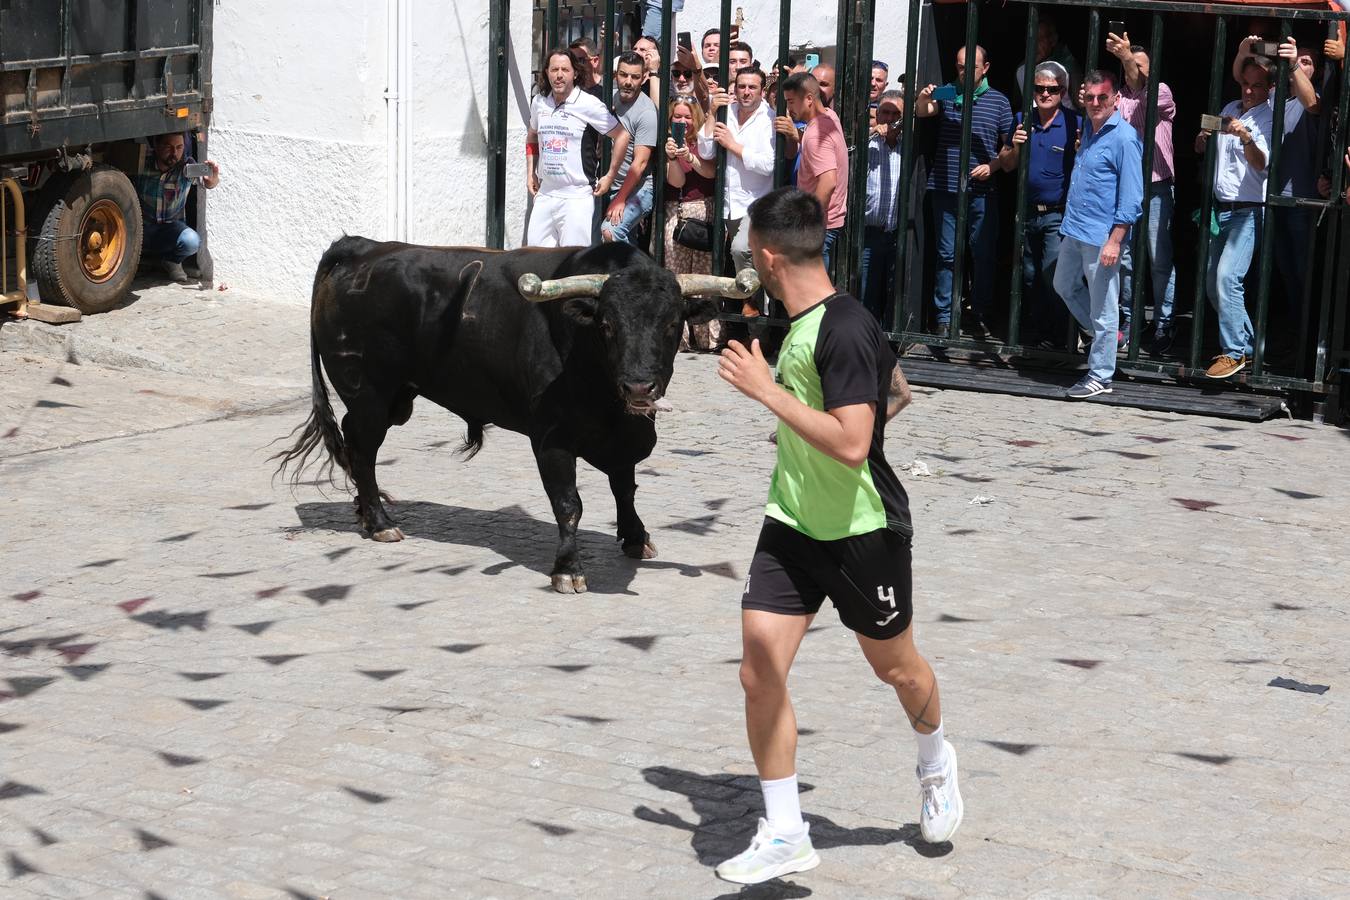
<point x="163" y="185"/>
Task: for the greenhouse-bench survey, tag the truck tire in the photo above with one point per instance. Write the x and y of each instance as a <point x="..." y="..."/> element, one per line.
<point x="89" y="241"/>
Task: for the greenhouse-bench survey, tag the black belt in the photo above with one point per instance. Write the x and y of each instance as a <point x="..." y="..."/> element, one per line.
<point x="1043" y="208"/>
<point x="1231" y="205"/>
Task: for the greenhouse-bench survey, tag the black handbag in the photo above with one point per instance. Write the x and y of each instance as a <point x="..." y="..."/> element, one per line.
<point x="692" y="233"/>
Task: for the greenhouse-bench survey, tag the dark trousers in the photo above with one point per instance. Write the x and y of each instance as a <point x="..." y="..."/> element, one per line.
<point x="878" y="270"/>
<point x="1046" y="316"/>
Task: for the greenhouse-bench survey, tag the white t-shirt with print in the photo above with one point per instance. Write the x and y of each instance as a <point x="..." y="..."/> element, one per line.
<point x="568" y="141"/>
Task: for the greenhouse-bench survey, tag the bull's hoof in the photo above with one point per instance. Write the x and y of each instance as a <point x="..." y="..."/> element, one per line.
<point x="569" y="584"/>
<point x="389" y="535"/>
<point x="645" y="550"/>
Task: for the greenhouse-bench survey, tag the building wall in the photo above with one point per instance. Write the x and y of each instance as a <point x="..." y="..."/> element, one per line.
<point x="301" y="135"/>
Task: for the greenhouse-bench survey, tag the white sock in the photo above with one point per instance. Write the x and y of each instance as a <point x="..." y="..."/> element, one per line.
<point x="932" y="751"/>
<point x="782" y="808"/>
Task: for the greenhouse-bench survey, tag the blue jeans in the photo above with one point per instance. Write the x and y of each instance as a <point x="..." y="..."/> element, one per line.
<point x="1161" y="202"/>
<point x="831" y="238"/>
<point x="1040" y="250"/>
<point x="1230" y="255"/>
<point x="639" y="204"/>
<point x="981" y="233"/>
<point x="172" y="241"/>
<point x="1091" y="291"/>
<point x="651" y="19"/>
<point x="878" y="269"/>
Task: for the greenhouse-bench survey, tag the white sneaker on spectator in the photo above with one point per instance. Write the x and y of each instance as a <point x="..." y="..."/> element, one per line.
<point x="941" y="812"/>
<point x="770" y="856"/>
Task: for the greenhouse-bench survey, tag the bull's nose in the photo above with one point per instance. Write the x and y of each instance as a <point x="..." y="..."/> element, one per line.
<point x="639" y="389"/>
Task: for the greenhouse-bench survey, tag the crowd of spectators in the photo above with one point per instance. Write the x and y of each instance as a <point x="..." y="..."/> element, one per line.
<point x="1086" y="188"/>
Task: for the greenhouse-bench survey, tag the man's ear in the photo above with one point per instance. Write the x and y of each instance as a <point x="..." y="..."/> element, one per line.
<point x="698" y="310"/>
<point x="581" y="309"/>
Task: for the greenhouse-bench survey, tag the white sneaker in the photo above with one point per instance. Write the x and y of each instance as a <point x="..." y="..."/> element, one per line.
<point x="769" y="856"/>
<point x="942" y="809"/>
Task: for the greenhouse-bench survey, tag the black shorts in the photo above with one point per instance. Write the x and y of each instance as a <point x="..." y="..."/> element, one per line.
<point x="867" y="577"/>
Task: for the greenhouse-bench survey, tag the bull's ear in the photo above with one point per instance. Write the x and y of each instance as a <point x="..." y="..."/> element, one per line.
<point x="581" y="309"/>
<point x="698" y="310"/>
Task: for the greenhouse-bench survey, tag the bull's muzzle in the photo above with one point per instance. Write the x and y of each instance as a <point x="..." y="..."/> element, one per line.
<point x="539" y="290"/>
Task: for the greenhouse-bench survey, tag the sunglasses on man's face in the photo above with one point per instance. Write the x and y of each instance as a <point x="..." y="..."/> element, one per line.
<point x="682" y="73"/>
<point x="1098" y="98"/>
<point x="1049" y="89"/>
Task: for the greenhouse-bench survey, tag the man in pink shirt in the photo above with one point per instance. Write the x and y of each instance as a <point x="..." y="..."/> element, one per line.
<point x="824" y="166"/>
<point x="1133" y="107"/>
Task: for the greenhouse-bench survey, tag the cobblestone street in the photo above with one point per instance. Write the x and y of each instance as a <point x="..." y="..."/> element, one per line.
<point x="212" y="686"/>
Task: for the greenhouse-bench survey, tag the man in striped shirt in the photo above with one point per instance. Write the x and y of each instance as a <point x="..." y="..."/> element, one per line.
<point x="882" y="211"/>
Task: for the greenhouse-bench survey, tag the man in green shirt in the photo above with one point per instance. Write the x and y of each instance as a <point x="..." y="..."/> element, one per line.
<point x="837" y="524"/>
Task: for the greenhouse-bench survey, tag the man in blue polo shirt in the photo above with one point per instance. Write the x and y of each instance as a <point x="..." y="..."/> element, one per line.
<point x="1106" y="197"/>
<point x="1052" y="145"/>
<point x="990" y="130"/>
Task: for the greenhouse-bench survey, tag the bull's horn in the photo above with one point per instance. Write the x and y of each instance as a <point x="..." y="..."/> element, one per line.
<point x="537" y="290"/>
<point x="743" y="285"/>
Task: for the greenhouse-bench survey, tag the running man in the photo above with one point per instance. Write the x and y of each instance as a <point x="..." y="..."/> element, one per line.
<point x="837" y="525"/>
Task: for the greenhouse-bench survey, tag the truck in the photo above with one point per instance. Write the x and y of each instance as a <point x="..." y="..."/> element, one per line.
<point x="85" y="85"/>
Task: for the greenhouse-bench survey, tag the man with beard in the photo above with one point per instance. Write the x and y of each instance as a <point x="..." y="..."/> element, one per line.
<point x="837" y="524"/>
<point x="163" y="190"/>
<point x="632" y="199"/>
<point x="561" y="163"/>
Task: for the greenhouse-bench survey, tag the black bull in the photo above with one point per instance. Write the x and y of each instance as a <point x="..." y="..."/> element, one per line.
<point x="579" y="374"/>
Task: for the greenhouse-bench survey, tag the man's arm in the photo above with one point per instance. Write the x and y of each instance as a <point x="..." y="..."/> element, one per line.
<point x="637" y="169"/>
<point x="1299" y="85"/>
<point x="757" y="145"/>
<point x="843" y="434"/>
<point x="531" y="154"/>
<point x="825" y="184"/>
<point x="1244" y="51"/>
<point x="1119" y="47"/>
<point x="924" y="104"/>
<point x="898" y="395"/>
<point x="621" y="138"/>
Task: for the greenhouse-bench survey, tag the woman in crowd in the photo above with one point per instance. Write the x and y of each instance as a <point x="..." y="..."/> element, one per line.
<point x="689" y="192"/>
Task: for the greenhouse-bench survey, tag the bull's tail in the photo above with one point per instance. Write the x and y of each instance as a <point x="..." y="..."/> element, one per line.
<point x="320" y="428"/>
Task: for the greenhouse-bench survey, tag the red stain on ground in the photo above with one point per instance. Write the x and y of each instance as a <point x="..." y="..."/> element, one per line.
<point x="27" y="595"/>
<point x="131" y="606"/>
<point x="1197" y="505"/>
<point x="1025" y="443"/>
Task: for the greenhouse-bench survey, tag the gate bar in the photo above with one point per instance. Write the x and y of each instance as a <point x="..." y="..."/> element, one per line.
<point x="848" y="253"/>
<point x="1216" y="70"/>
<point x="719" y="224"/>
<point x="499" y="18"/>
<point x="550" y="27"/>
<point x="907" y="166"/>
<point x="1340" y="221"/>
<point x="1268" y="218"/>
<point x="781" y="169"/>
<point x="658" y="173"/>
<point x="1023" y="167"/>
<point x="1142" y="259"/>
<point x="963" y="170"/>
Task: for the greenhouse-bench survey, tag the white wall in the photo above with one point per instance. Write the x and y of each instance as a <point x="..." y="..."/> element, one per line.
<point x="299" y="127"/>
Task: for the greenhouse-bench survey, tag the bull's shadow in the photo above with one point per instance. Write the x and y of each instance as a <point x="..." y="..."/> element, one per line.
<point x="523" y="539"/>
<point x="728" y="808"/>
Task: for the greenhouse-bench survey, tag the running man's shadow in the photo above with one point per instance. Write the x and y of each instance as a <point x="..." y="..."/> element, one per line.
<point x="729" y="807"/>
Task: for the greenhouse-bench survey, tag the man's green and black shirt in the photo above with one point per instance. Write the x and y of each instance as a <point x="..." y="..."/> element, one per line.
<point x="835" y="355"/>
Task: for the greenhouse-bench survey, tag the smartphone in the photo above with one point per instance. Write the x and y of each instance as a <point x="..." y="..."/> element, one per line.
<point x="1115" y="27"/>
<point x="812" y="60"/>
<point x="685" y="40"/>
<point x="944" y="92"/>
<point x="196" y="170"/>
<point x="677" y="133"/>
<point x="1266" y="48"/>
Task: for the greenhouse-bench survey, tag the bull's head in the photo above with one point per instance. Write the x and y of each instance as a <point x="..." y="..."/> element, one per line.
<point x="639" y="313"/>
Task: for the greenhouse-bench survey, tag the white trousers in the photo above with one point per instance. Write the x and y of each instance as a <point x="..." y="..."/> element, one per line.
<point x="561" y="221"/>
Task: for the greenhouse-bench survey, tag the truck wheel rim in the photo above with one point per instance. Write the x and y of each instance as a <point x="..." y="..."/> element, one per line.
<point x="103" y="241"/>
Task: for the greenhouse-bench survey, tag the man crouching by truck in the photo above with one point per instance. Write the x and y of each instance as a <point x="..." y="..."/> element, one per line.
<point x="163" y="185"/>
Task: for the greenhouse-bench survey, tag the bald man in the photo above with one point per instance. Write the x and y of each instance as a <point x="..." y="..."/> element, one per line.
<point x="824" y="76"/>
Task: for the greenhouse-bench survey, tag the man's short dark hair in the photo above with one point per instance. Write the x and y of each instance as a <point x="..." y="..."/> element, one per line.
<point x="750" y="70"/>
<point x="742" y="46"/>
<point x="631" y="58"/>
<point x="801" y="83"/>
<point x="585" y="43"/>
<point x="1100" y="76"/>
<point x="789" y="221"/>
<point x="716" y="31"/>
<point x="1264" y="63"/>
<point x="155" y="141"/>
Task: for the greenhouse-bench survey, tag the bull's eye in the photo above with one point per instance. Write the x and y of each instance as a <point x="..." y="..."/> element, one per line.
<point x="606" y="329"/>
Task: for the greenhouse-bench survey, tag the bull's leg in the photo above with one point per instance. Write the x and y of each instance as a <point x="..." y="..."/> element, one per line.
<point x="558" y="469"/>
<point x="364" y="430"/>
<point x="633" y="535"/>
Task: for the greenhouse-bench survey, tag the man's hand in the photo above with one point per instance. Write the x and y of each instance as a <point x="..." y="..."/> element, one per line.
<point x="1110" y="253"/>
<point x="722" y="135"/>
<point x="746" y="370"/>
<point x="1289" y="50"/>
<point x="981" y="172"/>
<point x="1019" y="135"/>
<point x="1324" y="187"/>
<point x="213" y="179"/>
<point x="614" y="212"/>
<point x="1201" y="140"/>
<point x="1118" y="45"/>
<point x="717" y="98"/>
<point x="1334" y="49"/>
<point x="784" y="125"/>
<point x="1238" y="130"/>
<point x="532" y="182"/>
<point x="602" y="186"/>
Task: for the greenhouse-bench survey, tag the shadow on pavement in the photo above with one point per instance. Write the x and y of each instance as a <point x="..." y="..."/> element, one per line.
<point x="728" y="808"/>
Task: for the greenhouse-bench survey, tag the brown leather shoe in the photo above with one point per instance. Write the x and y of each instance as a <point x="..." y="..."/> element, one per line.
<point x="1225" y="366"/>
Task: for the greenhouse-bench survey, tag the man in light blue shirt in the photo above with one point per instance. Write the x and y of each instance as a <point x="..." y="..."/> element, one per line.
<point x="1106" y="197"/>
<point x="882" y="212"/>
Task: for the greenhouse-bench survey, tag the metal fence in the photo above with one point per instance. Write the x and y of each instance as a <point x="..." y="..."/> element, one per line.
<point x="1321" y="358"/>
